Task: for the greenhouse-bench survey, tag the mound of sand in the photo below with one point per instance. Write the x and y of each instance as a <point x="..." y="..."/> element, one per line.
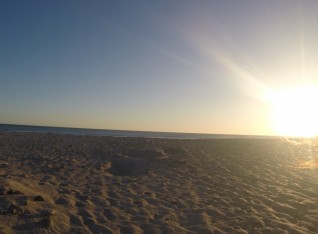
<point x="129" y="167"/>
<point x="146" y="153"/>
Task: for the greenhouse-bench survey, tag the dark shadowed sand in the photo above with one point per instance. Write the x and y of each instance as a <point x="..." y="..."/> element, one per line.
<point x="83" y="184"/>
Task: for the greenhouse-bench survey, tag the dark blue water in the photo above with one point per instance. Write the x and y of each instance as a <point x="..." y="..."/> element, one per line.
<point x="116" y="133"/>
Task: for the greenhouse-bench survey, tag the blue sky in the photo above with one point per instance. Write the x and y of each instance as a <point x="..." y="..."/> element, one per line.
<point x="186" y="66"/>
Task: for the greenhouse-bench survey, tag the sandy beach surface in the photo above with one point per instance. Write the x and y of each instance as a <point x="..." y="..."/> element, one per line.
<point x="87" y="184"/>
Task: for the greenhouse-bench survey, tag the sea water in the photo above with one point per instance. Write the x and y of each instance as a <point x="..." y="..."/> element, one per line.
<point x="117" y="133"/>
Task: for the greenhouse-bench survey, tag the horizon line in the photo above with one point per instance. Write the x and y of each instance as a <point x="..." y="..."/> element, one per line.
<point x="103" y="129"/>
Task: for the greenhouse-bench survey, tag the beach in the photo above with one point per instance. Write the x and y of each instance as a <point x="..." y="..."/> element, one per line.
<point x="54" y="183"/>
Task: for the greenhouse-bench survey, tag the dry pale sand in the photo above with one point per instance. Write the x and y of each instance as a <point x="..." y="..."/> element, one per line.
<point x="83" y="184"/>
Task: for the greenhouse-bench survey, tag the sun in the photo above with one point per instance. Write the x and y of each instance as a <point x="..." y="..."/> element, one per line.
<point x="295" y="111"/>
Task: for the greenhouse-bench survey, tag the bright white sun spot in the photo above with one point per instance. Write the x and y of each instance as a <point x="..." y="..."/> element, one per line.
<point x="295" y="111"/>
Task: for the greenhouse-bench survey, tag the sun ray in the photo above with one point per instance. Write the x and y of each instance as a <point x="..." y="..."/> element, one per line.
<point x="246" y="78"/>
<point x="281" y="79"/>
<point x="302" y="44"/>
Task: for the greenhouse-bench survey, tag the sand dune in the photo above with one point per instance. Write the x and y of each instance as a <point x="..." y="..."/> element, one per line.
<point x="83" y="184"/>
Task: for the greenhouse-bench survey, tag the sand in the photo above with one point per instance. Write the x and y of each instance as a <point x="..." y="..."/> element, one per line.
<point x="83" y="184"/>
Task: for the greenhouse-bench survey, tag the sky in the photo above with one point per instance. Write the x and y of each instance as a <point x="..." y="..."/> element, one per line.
<point x="177" y="66"/>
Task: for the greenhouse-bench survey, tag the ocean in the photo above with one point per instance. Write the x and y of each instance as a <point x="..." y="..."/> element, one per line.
<point x="118" y="133"/>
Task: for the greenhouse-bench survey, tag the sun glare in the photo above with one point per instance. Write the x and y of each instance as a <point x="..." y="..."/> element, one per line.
<point x="295" y="111"/>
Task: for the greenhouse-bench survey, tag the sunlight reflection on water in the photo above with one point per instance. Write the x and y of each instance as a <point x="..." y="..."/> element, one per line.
<point x="311" y="164"/>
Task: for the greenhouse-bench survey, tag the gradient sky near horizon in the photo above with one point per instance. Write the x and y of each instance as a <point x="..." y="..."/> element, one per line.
<point x="181" y="66"/>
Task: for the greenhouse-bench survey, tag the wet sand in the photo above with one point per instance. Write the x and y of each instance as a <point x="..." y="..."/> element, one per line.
<point x="83" y="184"/>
